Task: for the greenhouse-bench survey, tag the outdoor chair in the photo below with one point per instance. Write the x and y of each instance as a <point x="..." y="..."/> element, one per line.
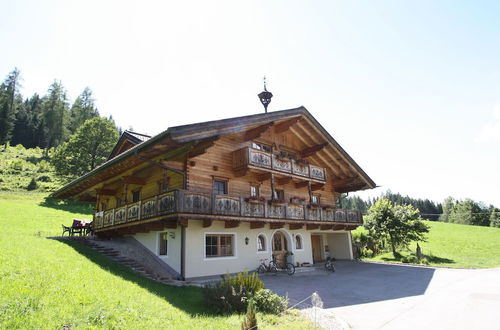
<point x="67" y="230"/>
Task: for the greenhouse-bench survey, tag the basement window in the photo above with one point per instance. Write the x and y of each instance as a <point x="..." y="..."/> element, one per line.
<point x="163" y="248"/>
<point x="219" y="245"/>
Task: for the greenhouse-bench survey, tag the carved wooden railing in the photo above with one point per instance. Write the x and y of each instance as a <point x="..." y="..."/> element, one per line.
<point x="247" y="156"/>
<point x="185" y="201"/>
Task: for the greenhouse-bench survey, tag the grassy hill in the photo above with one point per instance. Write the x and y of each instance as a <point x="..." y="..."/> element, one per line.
<point x="46" y="283"/>
<point x="18" y="166"/>
<point x="456" y="246"/>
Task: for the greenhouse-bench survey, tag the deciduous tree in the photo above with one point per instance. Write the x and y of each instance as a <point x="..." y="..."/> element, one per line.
<point x="88" y="148"/>
<point x="400" y="224"/>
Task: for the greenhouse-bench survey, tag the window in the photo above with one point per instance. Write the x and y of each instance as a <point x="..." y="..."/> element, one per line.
<point x="219" y="245"/>
<point x="163" y="186"/>
<point x="254" y="191"/>
<point x="279" y="242"/>
<point x="298" y="242"/>
<point x="136" y="196"/>
<point x="220" y="187"/>
<point x="163" y="244"/>
<point x="260" y="146"/>
<point x="279" y="194"/>
<point x="261" y="243"/>
<point x="315" y="199"/>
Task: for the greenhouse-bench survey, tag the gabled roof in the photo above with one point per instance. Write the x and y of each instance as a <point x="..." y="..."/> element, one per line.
<point x="348" y="173"/>
<point x="127" y="140"/>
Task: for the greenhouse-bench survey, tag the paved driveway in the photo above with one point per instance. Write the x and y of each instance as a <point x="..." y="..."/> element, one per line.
<point x="375" y="296"/>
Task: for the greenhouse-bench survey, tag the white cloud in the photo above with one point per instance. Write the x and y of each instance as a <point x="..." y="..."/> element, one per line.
<point x="491" y="131"/>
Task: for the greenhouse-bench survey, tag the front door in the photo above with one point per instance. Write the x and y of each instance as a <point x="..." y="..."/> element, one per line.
<point x="316" y="247"/>
<point x="280" y="249"/>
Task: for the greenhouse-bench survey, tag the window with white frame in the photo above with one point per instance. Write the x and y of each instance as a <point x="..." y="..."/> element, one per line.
<point x="298" y="242"/>
<point x="163" y="244"/>
<point x="219" y="245"/>
<point x="261" y="243"/>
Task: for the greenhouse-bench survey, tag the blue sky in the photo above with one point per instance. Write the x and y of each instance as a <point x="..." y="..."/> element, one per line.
<point x="410" y="89"/>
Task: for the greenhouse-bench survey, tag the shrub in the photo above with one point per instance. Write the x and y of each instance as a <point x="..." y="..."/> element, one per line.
<point x="43" y="166"/>
<point x="17" y="165"/>
<point x="44" y="178"/>
<point x="231" y="294"/>
<point x="250" y="321"/>
<point x="270" y="303"/>
<point x="32" y="185"/>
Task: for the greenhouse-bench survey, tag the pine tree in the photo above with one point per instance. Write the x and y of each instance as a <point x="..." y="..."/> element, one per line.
<point x="82" y="110"/>
<point x="54" y="115"/>
<point x="9" y="103"/>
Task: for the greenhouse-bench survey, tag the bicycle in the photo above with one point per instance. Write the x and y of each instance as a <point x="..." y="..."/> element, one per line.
<point x="329" y="264"/>
<point x="270" y="267"/>
<point x="288" y="267"/>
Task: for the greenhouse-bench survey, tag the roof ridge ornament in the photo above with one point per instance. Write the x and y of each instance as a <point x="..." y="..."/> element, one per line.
<point x="265" y="96"/>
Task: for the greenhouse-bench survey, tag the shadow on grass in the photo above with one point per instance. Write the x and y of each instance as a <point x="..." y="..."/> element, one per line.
<point x="69" y="205"/>
<point x="430" y="258"/>
<point x="188" y="299"/>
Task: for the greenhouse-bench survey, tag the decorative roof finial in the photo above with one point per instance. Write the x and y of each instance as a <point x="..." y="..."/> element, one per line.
<point x="265" y="96"/>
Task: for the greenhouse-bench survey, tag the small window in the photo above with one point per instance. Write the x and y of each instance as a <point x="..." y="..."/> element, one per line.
<point x="260" y="146"/>
<point x="163" y="244"/>
<point x="279" y="194"/>
<point x="136" y="196"/>
<point x="298" y="242"/>
<point x="254" y="191"/>
<point x="219" y="245"/>
<point x="220" y="187"/>
<point x="163" y="186"/>
<point x="261" y="243"/>
<point x="314" y="199"/>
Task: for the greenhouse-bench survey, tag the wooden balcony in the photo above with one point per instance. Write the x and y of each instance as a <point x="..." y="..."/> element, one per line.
<point x="226" y="207"/>
<point x="249" y="158"/>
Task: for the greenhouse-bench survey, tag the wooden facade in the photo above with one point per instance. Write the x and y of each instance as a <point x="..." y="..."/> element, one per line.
<point x="274" y="169"/>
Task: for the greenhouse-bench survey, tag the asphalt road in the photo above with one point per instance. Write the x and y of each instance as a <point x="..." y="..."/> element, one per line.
<point x="380" y="296"/>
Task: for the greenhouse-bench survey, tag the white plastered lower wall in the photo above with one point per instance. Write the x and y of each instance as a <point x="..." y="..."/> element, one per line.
<point x="246" y="256"/>
<point x="151" y="241"/>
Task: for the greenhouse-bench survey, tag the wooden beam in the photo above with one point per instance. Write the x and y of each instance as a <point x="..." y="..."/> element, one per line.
<point x="301" y="184"/>
<point x="183" y="222"/>
<point x="351" y="227"/>
<point x="276" y="225"/>
<point x="311" y="227"/>
<point x="256" y="225"/>
<point x="263" y="176"/>
<point x="338" y="227"/>
<point x="201" y="147"/>
<point x="284" y="181"/>
<point x="134" y="180"/>
<point x="231" y="224"/>
<point x="284" y="126"/>
<point x="257" y="131"/>
<point x="207" y="223"/>
<point x="326" y="227"/>
<point x="87" y="199"/>
<point x="317" y="186"/>
<point x="309" y="151"/>
<point x="295" y="226"/>
<point x="106" y="192"/>
<point x="241" y="172"/>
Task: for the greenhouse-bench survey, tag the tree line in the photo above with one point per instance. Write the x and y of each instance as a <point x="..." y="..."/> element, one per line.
<point x="468" y="211"/>
<point x="41" y="121"/>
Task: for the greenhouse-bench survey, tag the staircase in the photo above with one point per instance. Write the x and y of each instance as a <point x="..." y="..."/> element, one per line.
<point x="133" y="264"/>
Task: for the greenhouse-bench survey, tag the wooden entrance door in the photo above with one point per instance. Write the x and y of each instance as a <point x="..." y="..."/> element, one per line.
<point x="280" y="248"/>
<point x="316" y="248"/>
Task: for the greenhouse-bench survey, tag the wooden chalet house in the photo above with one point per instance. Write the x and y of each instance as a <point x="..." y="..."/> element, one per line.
<point x="218" y="196"/>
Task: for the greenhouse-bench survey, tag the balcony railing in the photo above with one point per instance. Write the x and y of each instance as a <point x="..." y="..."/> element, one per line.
<point x="245" y="157"/>
<point x="185" y="201"/>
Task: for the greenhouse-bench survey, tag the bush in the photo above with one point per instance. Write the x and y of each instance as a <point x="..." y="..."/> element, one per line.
<point x="270" y="303"/>
<point x="413" y="259"/>
<point x="231" y="294"/>
<point x="32" y="185"/>
<point x="44" y="178"/>
<point x="43" y="166"/>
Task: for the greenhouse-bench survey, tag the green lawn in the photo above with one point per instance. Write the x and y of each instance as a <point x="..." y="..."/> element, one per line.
<point x="45" y="283"/>
<point x="457" y="246"/>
